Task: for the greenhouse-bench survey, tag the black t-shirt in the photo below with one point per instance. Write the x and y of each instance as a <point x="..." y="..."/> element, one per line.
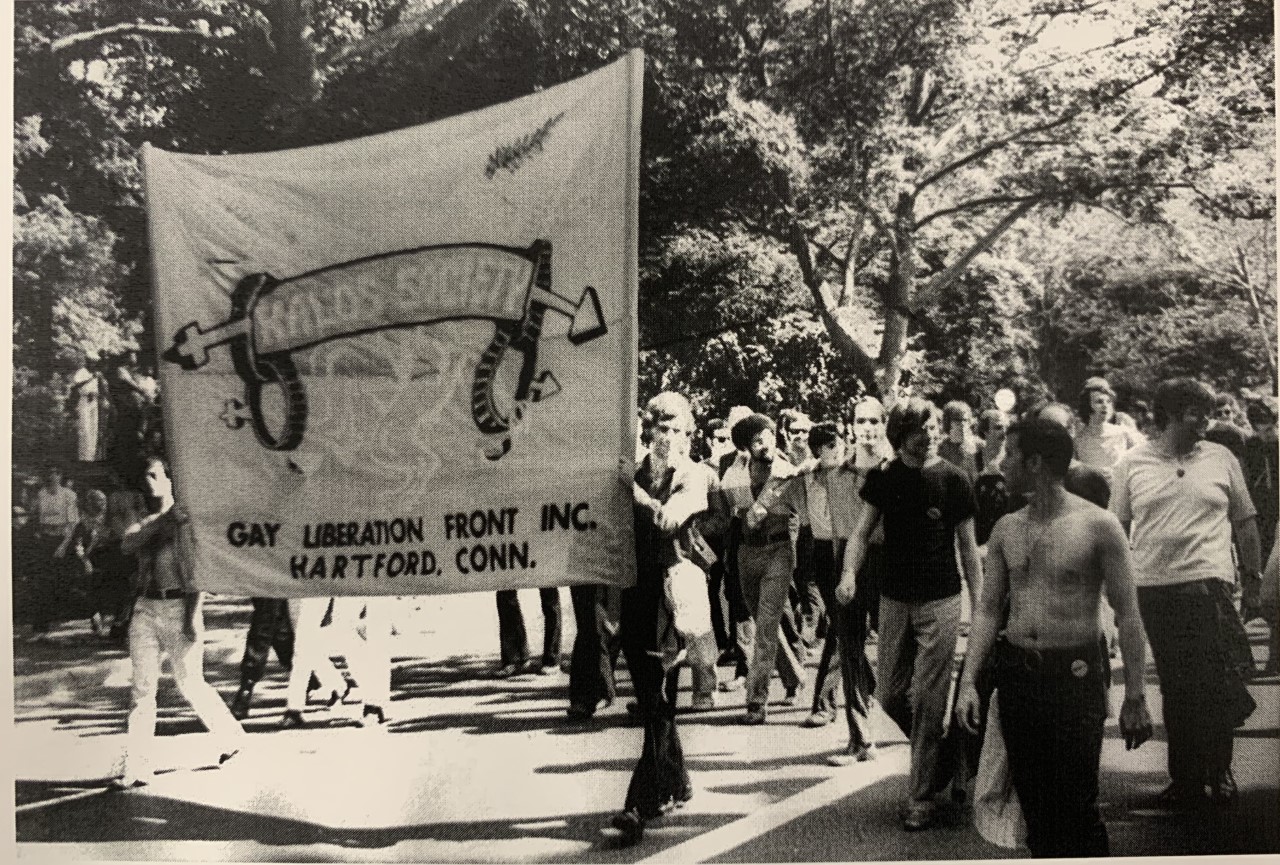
<point x="921" y="509"/>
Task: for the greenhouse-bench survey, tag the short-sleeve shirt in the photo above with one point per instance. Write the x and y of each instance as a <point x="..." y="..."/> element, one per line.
<point x="921" y="509"/>
<point x="1181" y="511"/>
<point x="1105" y="450"/>
<point x="56" y="511"/>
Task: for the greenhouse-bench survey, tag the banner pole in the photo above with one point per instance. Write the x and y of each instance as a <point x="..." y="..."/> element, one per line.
<point x="635" y="88"/>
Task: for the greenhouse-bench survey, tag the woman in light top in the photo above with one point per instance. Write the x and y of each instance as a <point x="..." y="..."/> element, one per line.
<point x="1100" y="442"/>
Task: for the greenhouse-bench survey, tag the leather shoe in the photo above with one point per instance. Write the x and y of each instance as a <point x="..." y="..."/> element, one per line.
<point x="703" y="703"/>
<point x="506" y="671"/>
<point x="754" y="717"/>
<point x="817" y="719"/>
<point x="918" y="818"/>
<point x="631" y="827"/>
<point x="1180" y="795"/>
<point x="240" y="705"/>
<point x="124" y="783"/>
<point x="227" y="755"/>
<point x="291" y="720"/>
<point x="374" y="710"/>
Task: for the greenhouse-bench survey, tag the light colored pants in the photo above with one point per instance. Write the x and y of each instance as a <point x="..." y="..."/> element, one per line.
<point x="917" y="650"/>
<point x="370" y="658"/>
<point x="702" y="657"/>
<point x="765" y="575"/>
<point x="156" y="631"/>
<point x="311" y="652"/>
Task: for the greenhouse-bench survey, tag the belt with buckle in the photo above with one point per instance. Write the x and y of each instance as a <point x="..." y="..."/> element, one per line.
<point x="1076" y="661"/>
<point x="758" y="541"/>
<point x="164" y="594"/>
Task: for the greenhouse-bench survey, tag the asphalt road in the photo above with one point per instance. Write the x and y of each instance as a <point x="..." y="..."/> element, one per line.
<point x="475" y="769"/>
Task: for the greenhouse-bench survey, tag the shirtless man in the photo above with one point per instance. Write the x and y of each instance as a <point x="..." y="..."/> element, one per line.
<point x="1053" y="559"/>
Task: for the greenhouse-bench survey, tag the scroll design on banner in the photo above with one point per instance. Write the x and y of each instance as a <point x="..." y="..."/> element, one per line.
<point x="271" y="318"/>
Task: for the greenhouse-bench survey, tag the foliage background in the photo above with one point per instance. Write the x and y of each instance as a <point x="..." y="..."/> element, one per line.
<point x="838" y="196"/>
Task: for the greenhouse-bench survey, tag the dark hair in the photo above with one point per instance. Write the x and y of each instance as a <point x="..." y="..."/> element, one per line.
<point x="954" y="412"/>
<point x="1259" y="412"/>
<point x="714" y="425"/>
<point x="1097" y="384"/>
<point x="908" y="416"/>
<point x="156" y="458"/>
<point x="821" y="435"/>
<point x="1175" y="396"/>
<point x="1047" y="439"/>
<point x="745" y="430"/>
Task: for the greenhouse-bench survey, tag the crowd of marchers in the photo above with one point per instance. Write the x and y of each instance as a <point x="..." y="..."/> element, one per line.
<point x="1081" y="536"/>
<point x="1077" y="537"/>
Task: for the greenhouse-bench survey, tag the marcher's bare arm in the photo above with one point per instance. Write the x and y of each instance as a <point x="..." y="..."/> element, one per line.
<point x="1117" y="570"/>
<point x="1248" y="545"/>
<point x="986" y="625"/>
<point x="970" y="559"/>
<point x="856" y="551"/>
<point x="141" y="532"/>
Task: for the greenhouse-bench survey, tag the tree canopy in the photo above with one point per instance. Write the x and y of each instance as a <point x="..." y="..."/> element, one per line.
<point x="837" y="196"/>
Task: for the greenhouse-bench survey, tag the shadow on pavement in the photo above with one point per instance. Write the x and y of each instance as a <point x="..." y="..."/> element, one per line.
<point x="137" y="816"/>
<point x="864" y="826"/>
<point x="1138" y="827"/>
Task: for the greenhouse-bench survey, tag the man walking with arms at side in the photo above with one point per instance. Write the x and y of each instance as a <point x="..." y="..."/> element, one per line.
<point x="928" y="509"/>
<point x="1053" y="560"/>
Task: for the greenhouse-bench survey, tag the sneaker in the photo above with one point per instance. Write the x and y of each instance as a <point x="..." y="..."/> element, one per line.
<point x="735" y="684"/>
<point x="793" y="695"/>
<point x="549" y="669"/>
<point x="862" y="754"/>
<point x="703" y="702"/>
<point x="817" y="719"/>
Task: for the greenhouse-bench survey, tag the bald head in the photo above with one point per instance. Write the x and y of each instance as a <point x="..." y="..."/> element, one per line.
<point x="1059" y="413"/>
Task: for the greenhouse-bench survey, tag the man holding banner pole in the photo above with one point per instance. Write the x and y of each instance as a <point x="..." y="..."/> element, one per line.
<point x="670" y="493"/>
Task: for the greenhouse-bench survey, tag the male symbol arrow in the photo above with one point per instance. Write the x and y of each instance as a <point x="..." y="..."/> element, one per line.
<point x="586" y="316"/>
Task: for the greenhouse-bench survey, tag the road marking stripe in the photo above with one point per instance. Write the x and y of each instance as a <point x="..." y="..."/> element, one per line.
<point x="45" y="803"/>
<point x="845" y="780"/>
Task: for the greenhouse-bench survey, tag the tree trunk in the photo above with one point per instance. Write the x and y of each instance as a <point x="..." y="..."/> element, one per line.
<point x="293" y="74"/>
<point x="897" y="302"/>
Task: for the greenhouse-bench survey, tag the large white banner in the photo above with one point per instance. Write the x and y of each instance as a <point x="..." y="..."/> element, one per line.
<point x="405" y="364"/>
